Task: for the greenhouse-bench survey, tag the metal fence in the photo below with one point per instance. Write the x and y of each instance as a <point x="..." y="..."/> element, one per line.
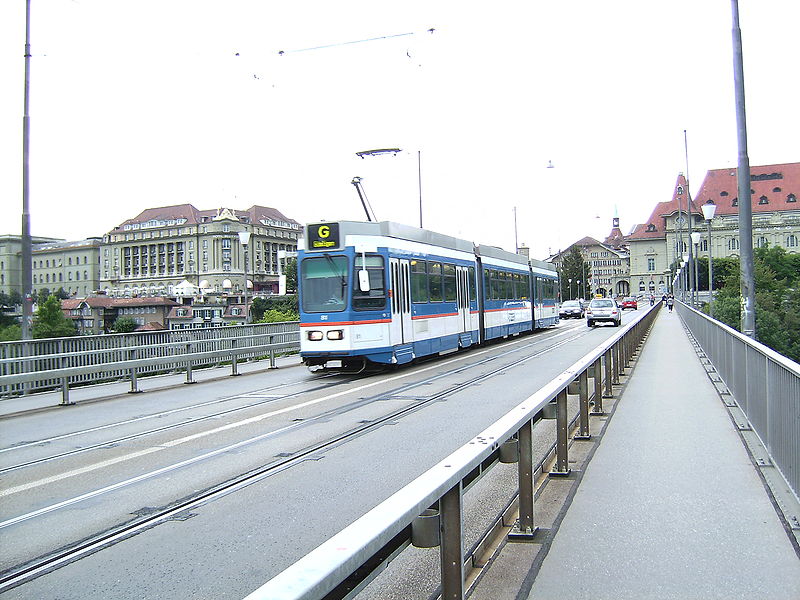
<point x="37" y="365"/>
<point x="343" y="565"/>
<point x="765" y="385"/>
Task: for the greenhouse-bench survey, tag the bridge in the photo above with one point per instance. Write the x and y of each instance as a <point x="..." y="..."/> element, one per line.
<point x="659" y="460"/>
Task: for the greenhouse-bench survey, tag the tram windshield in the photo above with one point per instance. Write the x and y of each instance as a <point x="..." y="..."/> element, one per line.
<point x="324" y="283"/>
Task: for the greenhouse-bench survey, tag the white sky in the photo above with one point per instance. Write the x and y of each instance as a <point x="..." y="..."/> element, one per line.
<point x="144" y="103"/>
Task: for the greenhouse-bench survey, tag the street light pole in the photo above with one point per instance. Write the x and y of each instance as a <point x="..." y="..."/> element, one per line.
<point x="244" y="239"/>
<point x="709" y="208"/>
<point x="27" y="260"/>
<point x="695" y="288"/>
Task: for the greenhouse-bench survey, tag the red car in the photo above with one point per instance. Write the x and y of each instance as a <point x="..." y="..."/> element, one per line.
<point x="629" y="303"/>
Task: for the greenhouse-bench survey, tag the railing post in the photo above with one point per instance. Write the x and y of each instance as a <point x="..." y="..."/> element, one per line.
<point x="583" y="420"/>
<point x="562" y="441"/>
<point x="615" y="363"/>
<point x="189" y="363"/>
<point x="234" y="363"/>
<point x="525" y="529"/>
<point x="598" y="387"/>
<point x="451" y="549"/>
<point x="134" y="384"/>
<point x="64" y="380"/>
<point x="272" y="352"/>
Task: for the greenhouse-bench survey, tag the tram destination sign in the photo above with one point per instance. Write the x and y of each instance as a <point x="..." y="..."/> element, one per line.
<point x="323" y="236"/>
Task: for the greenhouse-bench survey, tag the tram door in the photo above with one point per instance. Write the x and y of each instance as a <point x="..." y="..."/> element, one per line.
<point x="401" y="328"/>
<point x="462" y="297"/>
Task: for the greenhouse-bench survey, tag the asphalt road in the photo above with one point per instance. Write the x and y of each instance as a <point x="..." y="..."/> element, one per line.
<point x="69" y="474"/>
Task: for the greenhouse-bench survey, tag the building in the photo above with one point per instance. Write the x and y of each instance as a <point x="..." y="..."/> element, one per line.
<point x="97" y="314"/>
<point x="656" y="245"/>
<point x="164" y="247"/>
<point x="73" y="266"/>
<point x="11" y="260"/>
<point x="607" y="262"/>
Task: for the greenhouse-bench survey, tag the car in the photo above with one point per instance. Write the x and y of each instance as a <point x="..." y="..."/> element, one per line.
<point x="571" y="309"/>
<point x="629" y="303"/>
<point x="603" y="310"/>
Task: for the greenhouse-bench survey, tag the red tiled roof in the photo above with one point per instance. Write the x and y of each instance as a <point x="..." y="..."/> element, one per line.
<point x="194" y="216"/>
<point x="774" y="183"/>
<point x="151" y="326"/>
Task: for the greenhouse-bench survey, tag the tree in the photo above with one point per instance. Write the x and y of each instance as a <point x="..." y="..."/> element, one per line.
<point x="124" y="325"/>
<point x="291" y="275"/>
<point x="573" y="267"/>
<point x="50" y="322"/>
<point x="283" y="304"/>
<point x="777" y="285"/>
<point x="42" y="296"/>
<point x="11" y="333"/>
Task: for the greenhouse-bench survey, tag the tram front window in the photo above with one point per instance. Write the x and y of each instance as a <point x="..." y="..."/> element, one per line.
<point x="324" y="283"/>
<point x="375" y="297"/>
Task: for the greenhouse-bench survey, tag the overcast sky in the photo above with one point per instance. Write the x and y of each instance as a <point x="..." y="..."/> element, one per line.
<point x="144" y="103"/>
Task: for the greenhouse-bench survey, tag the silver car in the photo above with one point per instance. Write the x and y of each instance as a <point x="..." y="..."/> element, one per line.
<point x="603" y="310"/>
<point x="570" y="309"/>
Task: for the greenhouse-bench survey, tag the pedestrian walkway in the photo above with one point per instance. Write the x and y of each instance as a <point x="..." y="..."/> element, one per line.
<point x="671" y="505"/>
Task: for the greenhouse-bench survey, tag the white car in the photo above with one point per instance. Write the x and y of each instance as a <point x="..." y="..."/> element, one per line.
<point x="603" y="310"/>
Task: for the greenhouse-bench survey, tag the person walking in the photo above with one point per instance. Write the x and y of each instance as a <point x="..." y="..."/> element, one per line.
<point x="670" y="302"/>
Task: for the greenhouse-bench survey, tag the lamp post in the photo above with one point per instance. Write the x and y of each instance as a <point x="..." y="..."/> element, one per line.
<point x="570" y="287"/>
<point x="709" y="208"/>
<point x="696" y="235"/>
<point x="244" y="239"/>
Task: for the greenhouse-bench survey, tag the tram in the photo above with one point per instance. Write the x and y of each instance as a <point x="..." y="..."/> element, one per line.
<point x="384" y="293"/>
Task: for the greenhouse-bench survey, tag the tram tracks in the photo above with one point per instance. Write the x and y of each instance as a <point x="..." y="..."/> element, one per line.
<point x="25" y="571"/>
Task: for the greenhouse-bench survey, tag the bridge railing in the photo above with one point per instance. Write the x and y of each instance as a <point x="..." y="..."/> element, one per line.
<point x="35" y="365"/>
<point x="343" y="565"/>
<point x="764" y="384"/>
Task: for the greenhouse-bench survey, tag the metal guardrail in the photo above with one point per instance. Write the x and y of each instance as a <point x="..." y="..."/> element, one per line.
<point x="764" y="384"/>
<point x="37" y="365"/>
<point x="343" y="565"/>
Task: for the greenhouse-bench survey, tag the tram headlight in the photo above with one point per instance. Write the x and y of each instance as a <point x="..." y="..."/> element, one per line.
<point x="314" y="336"/>
<point x="335" y="334"/>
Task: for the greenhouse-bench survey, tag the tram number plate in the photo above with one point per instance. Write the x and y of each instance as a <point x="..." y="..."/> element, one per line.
<point x="333" y="364"/>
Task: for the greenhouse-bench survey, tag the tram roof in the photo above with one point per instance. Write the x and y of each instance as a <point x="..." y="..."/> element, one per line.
<point x="424" y="236"/>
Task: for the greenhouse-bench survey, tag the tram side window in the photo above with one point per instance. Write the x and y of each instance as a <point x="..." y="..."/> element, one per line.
<point x="419" y="281"/>
<point x="472" y="294"/>
<point x="435" y="281"/>
<point x="375" y="298"/>
<point x="449" y="275"/>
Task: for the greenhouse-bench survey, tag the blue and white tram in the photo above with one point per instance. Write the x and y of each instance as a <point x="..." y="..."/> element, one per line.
<point x="387" y="293"/>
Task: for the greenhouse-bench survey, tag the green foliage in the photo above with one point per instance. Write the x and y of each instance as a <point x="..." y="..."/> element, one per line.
<point x="50" y="322"/>
<point x="278" y="316"/>
<point x="42" y="296"/>
<point x="287" y="304"/>
<point x="573" y="267"/>
<point x="11" y="333"/>
<point x="291" y="275"/>
<point x="124" y="325"/>
<point x="777" y="284"/>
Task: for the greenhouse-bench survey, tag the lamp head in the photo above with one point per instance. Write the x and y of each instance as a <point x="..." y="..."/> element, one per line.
<point x="696" y="235"/>
<point x="709" y="208"/>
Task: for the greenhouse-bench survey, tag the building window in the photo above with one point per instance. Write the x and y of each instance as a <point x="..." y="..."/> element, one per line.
<point x="733" y="244"/>
<point x="763" y="200"/>
<point x="791" y="198"/>
<point x="226" y="228"/>
<point x="704" y="246"/>
<point x="791" y="241"/>
<point x="226" y="243"/>
<point x="651" y="264"/>
<point x="762" y="242"/>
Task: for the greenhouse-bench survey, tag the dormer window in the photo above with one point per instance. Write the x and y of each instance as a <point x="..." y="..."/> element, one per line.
<point x="791" y="198"/>
<point x="763" y="200"/>
<point x="651" y="227"/>
<point x="723" y="193"/>
<point x="680" y="190"/>
<point x="776" y="190"/>
<point x="735" y="202"/>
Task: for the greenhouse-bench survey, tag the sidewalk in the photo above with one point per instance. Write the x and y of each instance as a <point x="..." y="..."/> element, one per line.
<point x="671" y="505"/>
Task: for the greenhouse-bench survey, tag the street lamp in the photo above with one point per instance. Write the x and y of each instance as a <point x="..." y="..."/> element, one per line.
<point x="578" y="287"/>
<point x="570" y="287"/>
<point x="709" y="208"/>
<point x="244" y="239"/>
<point x="696" y="235"/>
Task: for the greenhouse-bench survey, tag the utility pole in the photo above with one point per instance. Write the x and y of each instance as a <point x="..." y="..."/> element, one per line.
<point x="747" y="277"/>
<point x="27" y="262"/>
<point x="692" y="282"/>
